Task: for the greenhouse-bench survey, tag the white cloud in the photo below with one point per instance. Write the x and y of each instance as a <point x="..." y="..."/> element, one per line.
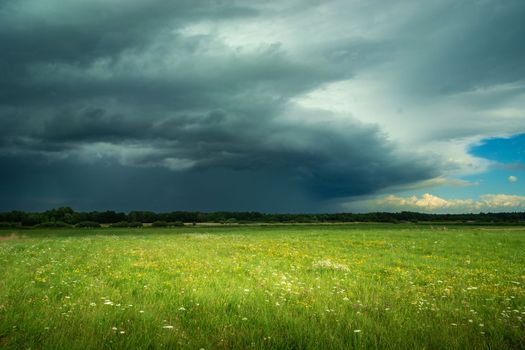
<point x="431" y="203"/>
<point x="502" y="201"/>
<point x="425" y="202"/>
<point x="512" y="179"/>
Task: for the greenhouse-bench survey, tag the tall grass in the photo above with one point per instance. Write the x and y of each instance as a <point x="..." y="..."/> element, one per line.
<point x="275" y="287"/>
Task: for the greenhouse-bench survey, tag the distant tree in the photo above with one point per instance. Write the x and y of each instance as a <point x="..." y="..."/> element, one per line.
<point x="136" y="218"/>
<point x="142" y="216"/>
<point x="13" y="216"/>
<point x="110" y="216"/>
<point x="58" y="214"/>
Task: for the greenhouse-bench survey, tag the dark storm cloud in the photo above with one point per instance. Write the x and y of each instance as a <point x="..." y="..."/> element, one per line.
<point x="126" y="92"/>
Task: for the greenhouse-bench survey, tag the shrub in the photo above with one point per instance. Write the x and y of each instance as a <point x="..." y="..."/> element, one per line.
<point x="9" y="225"/>
<point x="159" y="224"/>
<point x="176" y="224"/>
<point x="135" y="224"/>
<point x="87" y="224"/>
<point x="53" y="224"/>
<point x="32" y="220"/>
<point x="120" y="224"/>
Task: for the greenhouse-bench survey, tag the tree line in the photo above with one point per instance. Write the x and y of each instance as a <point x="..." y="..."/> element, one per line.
<point x="66" y="216"/>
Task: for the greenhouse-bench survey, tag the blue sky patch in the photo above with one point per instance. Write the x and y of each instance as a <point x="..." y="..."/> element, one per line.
<point x="503" y="150"/>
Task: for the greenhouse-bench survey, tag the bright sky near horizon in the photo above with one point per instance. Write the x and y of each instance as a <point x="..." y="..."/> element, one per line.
<point x="275" y="106"/>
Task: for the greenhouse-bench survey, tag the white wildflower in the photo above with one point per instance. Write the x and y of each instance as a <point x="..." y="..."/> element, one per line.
<point x="328" y="264"/>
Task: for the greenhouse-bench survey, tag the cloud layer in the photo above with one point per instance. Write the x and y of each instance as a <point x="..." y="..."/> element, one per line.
<point x="298" y="103"/>
<point x="431" y="203"/>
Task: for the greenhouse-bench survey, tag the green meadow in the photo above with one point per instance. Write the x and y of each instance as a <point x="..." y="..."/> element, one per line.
<point x="263" y="287"/>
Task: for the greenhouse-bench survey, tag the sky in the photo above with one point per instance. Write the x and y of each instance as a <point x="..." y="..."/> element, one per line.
<point x="273" y="106"/>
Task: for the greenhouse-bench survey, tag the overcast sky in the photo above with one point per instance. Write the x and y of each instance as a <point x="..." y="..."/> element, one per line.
<point x="275" y="106"/>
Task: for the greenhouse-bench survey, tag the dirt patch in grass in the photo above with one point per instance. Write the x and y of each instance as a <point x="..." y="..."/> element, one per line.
<point x="500" y="228"/>
<point x="11" y="237"/>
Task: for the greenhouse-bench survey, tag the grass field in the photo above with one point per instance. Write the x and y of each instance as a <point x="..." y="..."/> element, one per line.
<point x="275" y="287"/>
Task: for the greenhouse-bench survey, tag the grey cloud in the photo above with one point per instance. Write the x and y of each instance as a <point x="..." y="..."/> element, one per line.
<point x="436" y="48"/>
<point x="458" y="47"/>
<point x="353" y="54"/>
<point x="39" y="47"/>
<point x="81" y="31"/>
<point x="91" y="125"/>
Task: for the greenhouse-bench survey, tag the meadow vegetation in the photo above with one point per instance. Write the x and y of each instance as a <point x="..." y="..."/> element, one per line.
<point x="275" y="287"/>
